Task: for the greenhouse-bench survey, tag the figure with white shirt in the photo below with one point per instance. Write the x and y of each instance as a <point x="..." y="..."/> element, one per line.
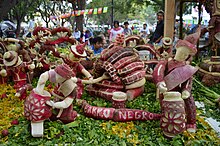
<point x="144" y="31"/>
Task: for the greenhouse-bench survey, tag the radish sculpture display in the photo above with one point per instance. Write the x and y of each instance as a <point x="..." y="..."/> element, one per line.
<point x="173" y="78"/>
<point x="125" y="68"/>
<point x="38" y="105"/>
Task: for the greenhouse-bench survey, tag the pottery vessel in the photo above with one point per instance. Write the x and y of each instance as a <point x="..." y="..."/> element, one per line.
<point x="119" y="100"/>
<point x="35" y="107"/>
<point x="173" y="120"/>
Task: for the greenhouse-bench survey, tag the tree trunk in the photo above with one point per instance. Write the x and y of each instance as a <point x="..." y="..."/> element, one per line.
<point x="6" y="6"/>
<point x="18" y="27"/>
<point x="80" y="19"/>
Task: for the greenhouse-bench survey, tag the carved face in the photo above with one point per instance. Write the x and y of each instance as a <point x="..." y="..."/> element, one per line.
<point x="182" y="53"/>
<point x="59" y="79"/>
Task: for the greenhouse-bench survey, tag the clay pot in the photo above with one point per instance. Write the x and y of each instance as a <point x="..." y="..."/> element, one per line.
<point x="119" y="99"/>
<point x="35" y="107"/>
<point x="173" y="120"/>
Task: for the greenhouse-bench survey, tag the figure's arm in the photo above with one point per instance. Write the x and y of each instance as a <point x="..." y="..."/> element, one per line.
<point x="87" y="74"/>
<point x="158" y="76"/>
<point x="3" y="72"/>
<point x="92" y="81"/>
<point x="62" y="104"/>
<point x="158" y="40"/>
<point x="41" y="82"/>
<point x="186" y="88"/>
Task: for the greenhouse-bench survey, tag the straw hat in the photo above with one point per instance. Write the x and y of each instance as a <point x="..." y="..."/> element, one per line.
<point x="64" y="71"/>
<point x="79" y="50"/>
<point x="167" y="41"/>
<point x="11" y="58"/>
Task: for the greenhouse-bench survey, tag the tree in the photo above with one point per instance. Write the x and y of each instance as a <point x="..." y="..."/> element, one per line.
<point x="6" y="6"/>
<point x="79" y="5"/>
<point x="53" y="8"/>
<point x="127" y="9"/>
<point x="22" y="9"/>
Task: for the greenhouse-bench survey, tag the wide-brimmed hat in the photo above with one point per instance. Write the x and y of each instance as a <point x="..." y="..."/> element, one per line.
<point x="167" y="41"/>
<point x="11" y="58"/>
<point x="79" y="50"/>
<point x="64" y="71"/>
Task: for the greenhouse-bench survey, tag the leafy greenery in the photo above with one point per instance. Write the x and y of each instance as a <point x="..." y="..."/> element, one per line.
<point x="88" y="131"/>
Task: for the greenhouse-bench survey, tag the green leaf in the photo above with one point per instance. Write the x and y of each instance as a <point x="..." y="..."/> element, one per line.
<point x="72" y="124"/>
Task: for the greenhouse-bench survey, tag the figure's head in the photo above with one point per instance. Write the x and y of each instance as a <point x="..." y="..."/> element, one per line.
<point x="116" y="24"/>
<point x="126" y="24"/>
<point x="78" y="51"/>
<point x="184" y="50"/>
<point x="160" y="15"/>
<point x="64" y="71"/>
<point x="11" y="58"/>
<point x="144" y="25"/>
<point x="97" y="42"/>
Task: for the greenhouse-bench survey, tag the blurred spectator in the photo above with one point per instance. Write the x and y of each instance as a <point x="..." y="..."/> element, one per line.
<point x="159" y="31"/>
<point x="114" y="31"/>
<point x="144" y="32"/>
<point x="87" y="36"/>
<point x="105" y="43"/>
<point x="127" y="31"/>
<point x="96" y="45"/>
<point x="77" y="34"/>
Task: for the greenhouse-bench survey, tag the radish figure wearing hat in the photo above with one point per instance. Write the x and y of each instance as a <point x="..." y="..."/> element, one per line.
<point x="165" y="49"/>
<point x="64" y="93"/>
<point x="77" y="54"/>
<point x="18" y="70"/>
<point x="175" y="74"/>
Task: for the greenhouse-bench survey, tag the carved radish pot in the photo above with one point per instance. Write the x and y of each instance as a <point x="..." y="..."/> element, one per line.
<point x="173" y="120"/>
<point x="119" y="99"/>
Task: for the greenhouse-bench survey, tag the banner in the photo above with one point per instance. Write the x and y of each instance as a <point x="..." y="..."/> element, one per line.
<point x="100" y="11"/>
<point x="90" y="11"/>
<point x="94" y="11"/>
<point x="105" y="10"/>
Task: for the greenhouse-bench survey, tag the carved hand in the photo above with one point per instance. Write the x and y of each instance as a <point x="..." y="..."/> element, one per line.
<point x="185" y="94"/>
<point x="3" y="72"/>
<point x="162" y="87"/>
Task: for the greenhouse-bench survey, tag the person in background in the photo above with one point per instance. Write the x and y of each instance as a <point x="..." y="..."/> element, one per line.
<point x="159" y="31"/>
<point x="105" y="43"/>
<point x="87" y="36"/>
<point x="77" y="34"/>
<point x="127" y="31"/>
<point x="144" y="31"/>
<point x="115" y="31"/>
<point x="96" y="45"/>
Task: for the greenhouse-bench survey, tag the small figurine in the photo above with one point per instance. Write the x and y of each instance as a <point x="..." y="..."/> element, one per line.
<point x="166" y="48"/>
<point x="18" y="70"/>
<point x="36" y="105"/>
<point x="171" y="77"/>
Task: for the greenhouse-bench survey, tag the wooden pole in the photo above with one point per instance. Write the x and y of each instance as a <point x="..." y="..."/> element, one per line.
<point x="169" y="19"/>
<point x="181" y="21"/>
